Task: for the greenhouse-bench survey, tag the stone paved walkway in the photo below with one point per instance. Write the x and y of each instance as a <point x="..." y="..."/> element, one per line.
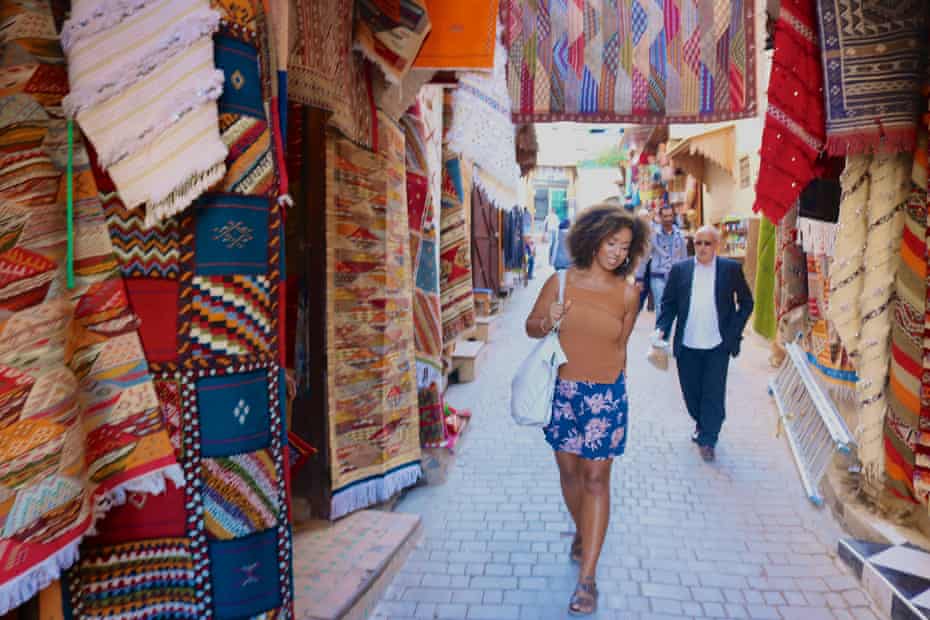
<point x="735" y="539"/>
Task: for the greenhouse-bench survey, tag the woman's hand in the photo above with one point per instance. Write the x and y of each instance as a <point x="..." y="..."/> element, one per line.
<point x="557" y="312"/>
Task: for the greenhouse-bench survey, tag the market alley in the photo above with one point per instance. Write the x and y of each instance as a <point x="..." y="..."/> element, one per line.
<point x="733" y="539"/>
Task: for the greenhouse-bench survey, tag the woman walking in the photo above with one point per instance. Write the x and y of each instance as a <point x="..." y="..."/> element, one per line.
<point x="589" y="415"/>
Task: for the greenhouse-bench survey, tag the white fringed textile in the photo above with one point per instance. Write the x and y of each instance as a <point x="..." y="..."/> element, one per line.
<point x="144" y="87"/>
<point x="816" y="236"/>
<point x="865" y="264"/>
<point x="482" y="130"/>
<point x="374" y="491"/>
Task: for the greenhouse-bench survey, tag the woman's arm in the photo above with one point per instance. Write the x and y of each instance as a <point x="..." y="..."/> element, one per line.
<point x="538" y="323"/>
<point x="630" y="311"/>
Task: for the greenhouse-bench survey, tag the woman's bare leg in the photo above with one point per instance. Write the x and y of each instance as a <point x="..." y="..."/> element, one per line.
<point x="595" y="512"/>
<point x="570" y="477"/>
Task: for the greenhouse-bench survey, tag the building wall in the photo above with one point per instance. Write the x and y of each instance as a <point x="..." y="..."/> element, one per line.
<point x="595" y="185"/>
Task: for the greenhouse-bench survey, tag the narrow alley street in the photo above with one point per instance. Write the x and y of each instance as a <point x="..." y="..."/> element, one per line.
<point x="734" y="539"/>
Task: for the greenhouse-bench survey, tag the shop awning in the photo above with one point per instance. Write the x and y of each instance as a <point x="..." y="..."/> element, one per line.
<point x="717" y="146"/>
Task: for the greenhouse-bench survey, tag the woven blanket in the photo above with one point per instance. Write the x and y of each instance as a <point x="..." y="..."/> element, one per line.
<point x="325" y="73"/>
<point x="462" y="37"/>
<point x="390" y="34"/>
<point x="907" y="331"/>
<point x="424" y="250"/>
<point x="764" y="318"/>
<point x="630" y="61"/>
<point x="791" y="280"/>
<point x="373" y="422"/>
<point x="825" y="351"/>
<point x="80" y="426"/>
<point x="481" y="129"/>
<point x="795" y="128"/>
<point x="455" y="285"/>
<point x="205" y="287"/>
<point x="166" y="152"/>
<point x="863" y="270"/>
<point x="883" y="44"/>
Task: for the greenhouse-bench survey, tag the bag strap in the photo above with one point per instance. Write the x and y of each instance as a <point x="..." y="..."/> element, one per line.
<point x="561" y="274"/>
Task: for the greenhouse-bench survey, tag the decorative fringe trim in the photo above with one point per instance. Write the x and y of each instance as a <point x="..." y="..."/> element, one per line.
<point x="879" y="140"/>
<point x="104" y="15"/>
<point x="500" y="196"/>
<point x="198" y="25"/>
<point x="393" y="80"/>
<point x="181" y="196"/>
<point x="285" y="200"/>
<point x="816" y="236"/>
<point x="185" y="102"/>
<point x="21" y="589"/>
<point x="369" y="492"/>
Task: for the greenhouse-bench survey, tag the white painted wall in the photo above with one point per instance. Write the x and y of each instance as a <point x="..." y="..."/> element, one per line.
<point x="595" y="185"/>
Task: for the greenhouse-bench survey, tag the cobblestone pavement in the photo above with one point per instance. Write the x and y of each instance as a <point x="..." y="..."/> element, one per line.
<point x="734" y="539"/>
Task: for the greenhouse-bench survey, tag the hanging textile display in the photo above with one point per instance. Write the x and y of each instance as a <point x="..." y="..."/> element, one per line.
<point x="791" y="280"/>
<point x="395" y="99"/>
<point x="863" y="270"/>
<point x="764" y="321"/>
<point x="424" y="250"/>
<point x="168" y="152"/>
<point x="462" y="37"/>
<point x="390" y="33"/>
<point x="81" y="428"/>
<point x="482" y="130"/>
<point x="324" y="72"/>
<point x="795" y="130"/>
<point x="825" y="351"/>
<point x="819" y="210"/>
<point x="884" y="45"/>
<point x="455" y="285"/>
<point x="631" y="62"/>
<point x="205" y="285"/>
<point x="907" y="332"/>
<point x="373" y="426"/>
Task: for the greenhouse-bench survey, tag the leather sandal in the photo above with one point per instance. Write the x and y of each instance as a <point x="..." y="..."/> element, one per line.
<point x="576" y="549"/>
<point x="584" y="600"/>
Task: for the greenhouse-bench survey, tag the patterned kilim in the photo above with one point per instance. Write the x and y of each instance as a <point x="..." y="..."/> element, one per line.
<point x="480" y="128"/>
<point x="632" y="61"/>
<point x="907" y="333"/>
<point x="205" y="287"/>
<point x="424" y="247"/>
<point x="825" y="352"/>
<point x="80" y="427"/>
<point x="863" y="269"/>
<point x="795" y="128"/>
<point x="790" y="280"/>
<point x="390" y="33"/>
<point x="373" y="429"/>
<point x="462" y="37"/>
<point x="874" y="59"/>
<point x="455" y="287"/>
<point x="324" y="72"/>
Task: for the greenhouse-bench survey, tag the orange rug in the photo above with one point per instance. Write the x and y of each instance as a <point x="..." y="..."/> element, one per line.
<point x="462" y="36"/>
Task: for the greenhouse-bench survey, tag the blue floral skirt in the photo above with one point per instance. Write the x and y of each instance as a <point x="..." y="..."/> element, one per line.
<point x="589" y="419"/>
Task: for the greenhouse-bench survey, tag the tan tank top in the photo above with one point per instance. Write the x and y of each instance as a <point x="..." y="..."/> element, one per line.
<point x="590" y="334"/>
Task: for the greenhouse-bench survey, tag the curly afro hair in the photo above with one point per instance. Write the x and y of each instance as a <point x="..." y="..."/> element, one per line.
<point x="599" y="222"/>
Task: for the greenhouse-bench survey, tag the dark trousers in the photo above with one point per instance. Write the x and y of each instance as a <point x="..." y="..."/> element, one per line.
<point x="703" y="377"/>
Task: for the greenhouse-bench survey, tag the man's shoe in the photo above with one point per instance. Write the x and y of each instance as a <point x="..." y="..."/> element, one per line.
<point x="707" y="453"/>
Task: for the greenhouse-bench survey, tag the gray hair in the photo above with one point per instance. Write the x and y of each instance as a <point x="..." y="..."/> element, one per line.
<point x="707" y="228"/>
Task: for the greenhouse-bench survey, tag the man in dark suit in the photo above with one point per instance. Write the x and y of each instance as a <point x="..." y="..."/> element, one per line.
<point x="709" y="301"/>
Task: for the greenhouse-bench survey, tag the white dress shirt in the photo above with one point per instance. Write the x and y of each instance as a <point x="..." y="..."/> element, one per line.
<point x="702" y="329"/>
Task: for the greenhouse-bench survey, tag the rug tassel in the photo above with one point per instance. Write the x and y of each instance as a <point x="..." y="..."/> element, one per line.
<point x="70" y="202"/>
<point x="374" y="491"/>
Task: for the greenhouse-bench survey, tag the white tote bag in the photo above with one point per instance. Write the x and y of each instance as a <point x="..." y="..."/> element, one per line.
<point x="533" y="387"/>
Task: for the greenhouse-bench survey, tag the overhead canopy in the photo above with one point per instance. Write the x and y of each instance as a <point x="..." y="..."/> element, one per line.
<point x="717" y="146"/>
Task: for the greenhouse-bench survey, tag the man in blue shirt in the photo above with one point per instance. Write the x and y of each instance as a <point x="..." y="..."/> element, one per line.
<point x="668" y="247"/>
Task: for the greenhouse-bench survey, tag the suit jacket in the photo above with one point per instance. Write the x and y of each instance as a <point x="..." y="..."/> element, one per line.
<point x="732" y="294"/>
